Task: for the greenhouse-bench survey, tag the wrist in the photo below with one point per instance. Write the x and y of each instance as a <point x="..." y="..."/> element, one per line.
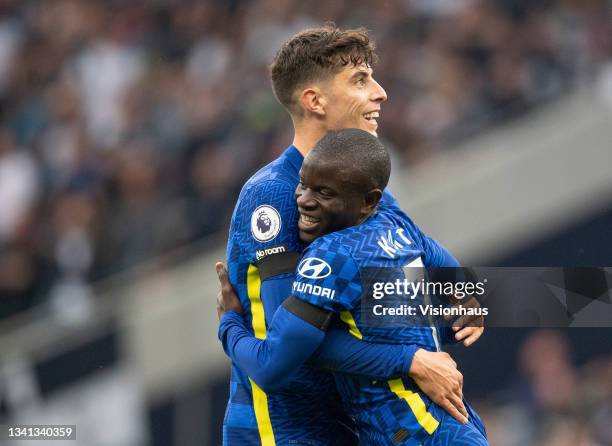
<point x="416" y="366"/>
<point x="226" y="319"/>
<point x="408" y="352"/>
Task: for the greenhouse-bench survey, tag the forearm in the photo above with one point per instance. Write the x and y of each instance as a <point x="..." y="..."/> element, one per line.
<point x="342" y="352"/>
<point x="270" y="362"/>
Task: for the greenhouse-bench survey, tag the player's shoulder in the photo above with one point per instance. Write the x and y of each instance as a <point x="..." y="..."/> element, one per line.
<point x="352" y="239"/>
<point x="381" y="239"/>
<point x="351" y="242"/>
<point x="268" y="180"/>
<point x="266" y="207"/>
<point x="273" y="184"/>
<point x="265" y="216"/>
<point x="282" y="172"/>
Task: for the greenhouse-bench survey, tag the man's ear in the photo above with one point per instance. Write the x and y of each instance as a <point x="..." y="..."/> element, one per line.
<point x="313" y="101"/>
<point x="371" y="200"/>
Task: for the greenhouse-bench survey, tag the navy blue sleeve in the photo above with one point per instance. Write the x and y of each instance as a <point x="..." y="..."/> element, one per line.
<point x="291" y="341"/>
<point x="437" y="255"/>
<point x="342" y="352"/>
<point x="270" y="362"/>
<point x="440" y="257"/>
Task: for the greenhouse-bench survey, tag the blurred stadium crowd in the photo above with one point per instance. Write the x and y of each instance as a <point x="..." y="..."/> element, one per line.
<point x="128" y="127"/>
<point x="551" y="401"/>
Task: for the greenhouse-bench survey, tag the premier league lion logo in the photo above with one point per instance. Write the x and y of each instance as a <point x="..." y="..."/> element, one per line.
<point x="265" y="223"/>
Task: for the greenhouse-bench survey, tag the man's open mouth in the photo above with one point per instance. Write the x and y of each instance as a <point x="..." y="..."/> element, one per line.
<point x="372" y="116"/>
<point x="308" y="222"/>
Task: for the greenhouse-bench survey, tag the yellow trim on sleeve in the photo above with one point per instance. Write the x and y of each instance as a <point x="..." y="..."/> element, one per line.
<point x="347" y="318"/>
<point x="416" y="403"/>
<point x="260" y="399"/>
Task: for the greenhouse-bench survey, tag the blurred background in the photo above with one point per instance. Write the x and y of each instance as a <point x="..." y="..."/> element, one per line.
<point x="128" y="128"/>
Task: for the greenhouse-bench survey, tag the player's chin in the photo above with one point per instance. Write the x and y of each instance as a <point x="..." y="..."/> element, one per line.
<point x="307" y="237"/>
<point x="370" y="126"/>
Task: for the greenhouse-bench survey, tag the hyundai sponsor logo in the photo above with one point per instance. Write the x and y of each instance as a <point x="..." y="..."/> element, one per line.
<point x="314" y="268"/>
<point x="315" y="290"/>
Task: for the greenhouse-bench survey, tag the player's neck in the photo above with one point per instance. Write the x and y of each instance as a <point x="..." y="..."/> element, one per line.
<point x="307" y="134"/>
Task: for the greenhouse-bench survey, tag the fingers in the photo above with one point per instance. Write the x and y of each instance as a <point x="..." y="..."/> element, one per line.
<point x="457" y="406"/>
<point x="475" y="320"/>
<point x="469" y="335"/>
<point x="440" y="381"/>
<point x="226" y="286"/>
<point x="468" y="321"/>
<point x="464" y="333"/>
<point x="222" y="273"/>
<point x="474" y="336"/>
<point x="227" y="299"/>
<point x="465" y="303"/>
<point x="219" y="267"/>
<point x="220" y="307"/>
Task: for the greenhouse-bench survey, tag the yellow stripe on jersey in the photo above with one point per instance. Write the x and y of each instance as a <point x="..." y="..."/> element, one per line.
<point x="262" y="415"/>
<point x="416" y="403"/>
<point x="260" y="399"/>
<point x="347" y="318"/>
<point x="257" y="310"/>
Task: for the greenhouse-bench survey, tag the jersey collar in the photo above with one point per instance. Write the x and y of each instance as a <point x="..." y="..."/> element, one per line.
<point x="294" y="157"/>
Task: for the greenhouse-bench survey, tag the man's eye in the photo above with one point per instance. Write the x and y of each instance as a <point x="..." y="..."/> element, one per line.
<point x="326" y="193"/>
<point x="361" y="81"/>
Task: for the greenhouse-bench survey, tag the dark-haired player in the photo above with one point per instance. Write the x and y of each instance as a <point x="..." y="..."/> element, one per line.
<point x="341" y="184"/>
<point x="323" y="77"/>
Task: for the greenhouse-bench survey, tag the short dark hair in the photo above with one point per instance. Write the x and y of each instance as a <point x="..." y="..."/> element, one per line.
<point x="314" y="54"/>
<point x="360" y="152"/>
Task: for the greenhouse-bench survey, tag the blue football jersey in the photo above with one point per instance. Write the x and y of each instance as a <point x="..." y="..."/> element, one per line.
<point x="262" y="252"/>
<point x="338" y="273"/>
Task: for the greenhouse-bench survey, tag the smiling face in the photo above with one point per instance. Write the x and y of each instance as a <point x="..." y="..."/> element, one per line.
<point x="329" y="199"/>
<point x="352" y="98"/>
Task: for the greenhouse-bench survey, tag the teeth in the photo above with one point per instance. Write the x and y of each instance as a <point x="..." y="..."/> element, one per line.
<point x="372" y="115"/>
<point x="308" y="219"/>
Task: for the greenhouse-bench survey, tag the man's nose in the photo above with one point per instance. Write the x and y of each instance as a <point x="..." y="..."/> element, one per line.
<point x="379" y="94"/>
<point x="305" y="199"/>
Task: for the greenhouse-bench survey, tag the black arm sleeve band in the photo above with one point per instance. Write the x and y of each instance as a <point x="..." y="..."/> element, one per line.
<point x="275" y="264"/>
<point x="308" y="312"/>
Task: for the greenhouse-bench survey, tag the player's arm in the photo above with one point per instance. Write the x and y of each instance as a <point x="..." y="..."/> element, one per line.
<point x="270" y="362"/>
<point x="342" y="352"/>
<point x="437" y="256"/>
<point x="466" y="329"/>
<point x="297" y="330"/>
<point x="273" y="246"/>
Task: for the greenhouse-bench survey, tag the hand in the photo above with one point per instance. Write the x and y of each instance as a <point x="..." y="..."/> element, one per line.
<point x="437" y="376"/>
<point x="469" y="328"/>
<point x="227" y="300"/>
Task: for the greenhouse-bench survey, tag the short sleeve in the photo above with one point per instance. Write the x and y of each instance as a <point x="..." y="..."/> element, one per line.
<point x="328" y="277"/>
